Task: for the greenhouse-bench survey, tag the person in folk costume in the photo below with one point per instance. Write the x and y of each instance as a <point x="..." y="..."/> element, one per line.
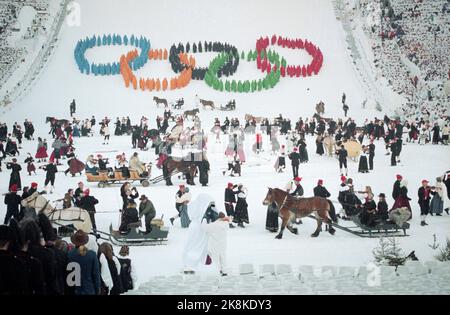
<point x="88" y="202"/>
<point x="280" y="163"/>
<point x="217" y="241"/>
<point x="319" y="145"/>
<point x="127" y="273"/>
<point x="195" y="250"/>
<point x="2" y="154"/>
<point x="204" y="168"/>
<point x="182" y="199"/>
<point x="342" y="157"/>
<point x="50" y="175"/>
<point x="394" y="151"/>
<point x="320" y="190"/>
<point x="111" y="282"/>
<point x="75" y="165"/>
<point x="137" y="165"/>
<point x="424" y="194"/>
<point x="241" y="211"/>
<point x="368" y="215"/>
<point x="236" y="169"/>
<point x="440" y="201"/>
<point x="122" y="165"/>
<point x="445" y="134"/>
<point x="272" y="218"/>
<point x="446" y="184"/>
<point x="295" y="161"/>
<point x="436" y="134"/>
<point x="14" y="178"/>
<point x="147" y="210"/>
<point x="382" y="207"/>
<point x="352" y="203"/>
<point x="396" y="187"/>
<point x="130" y="215"/>
<point x="303" y="151"/>
<point x="12" y="201"/>
<point x="76" y="131"/>
<point x="128" y="194"/>
<point x="230" y="201"/>
<point x="343" y="189"/>
<point x="69" y="199"/>
<point x="274" y="140"/>
<point x="363" y="166"/>
<point x="106" y="134"/>
<point x="401" y="209"/>
<point x="371" y="152"/>
<point x="31" y="168"/>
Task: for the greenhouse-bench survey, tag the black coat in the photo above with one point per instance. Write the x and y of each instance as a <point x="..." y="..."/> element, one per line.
<point x="230" y="195"/>
<point x="320" y="191"/>
<point x="15" y="175"/>
<point x="298" y="191"/>
<point x="383" y="210"/>
<point x="50" y="170"/>
<point x="203" y="168"/>
<point x="424" y="199"/>
<point x="12" y="202"/>
<point x="342" y="153"/>
<point x="396" y="190"/>
<point x="88" y="203"/>
<point x="49" y="264"/>
<point x="295" y="158"/>
<point x="34" y="273"/>
<point x="61" y="269"/>
<point x="13" y="274"/>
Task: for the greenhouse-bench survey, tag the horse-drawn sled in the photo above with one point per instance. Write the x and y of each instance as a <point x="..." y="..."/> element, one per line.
<point x="231" y="105"/>
<point x="178" y="104"/>
<point x="135" y="237"/>
<point x="103" y="178"/>
<point x="383" y="228"/>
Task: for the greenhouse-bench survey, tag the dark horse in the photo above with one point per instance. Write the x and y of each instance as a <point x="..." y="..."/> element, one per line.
<point x="171" y="165"/>
<point x="160" y="101"/>
<point x="53" y="120"/>
<point x="291" y="208"/>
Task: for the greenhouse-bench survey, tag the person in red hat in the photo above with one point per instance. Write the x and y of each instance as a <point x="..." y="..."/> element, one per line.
<point x="50" y="175"/>
<point x="230" y="201"/>
<point x="396" y="188"/>
<point x="88" y="202"/>
<point x="295" y="161"/>
<point x="14" y="178"/>
<point x="298" y="191"/>
<point x="320" y="190"/>
<point x="424" y="194"/>
<point x="12" y="202"/>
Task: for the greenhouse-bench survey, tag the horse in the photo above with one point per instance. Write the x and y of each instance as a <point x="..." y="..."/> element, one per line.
<point x="291" y="208"/>
<point x="160" y="101"/>
<point x="330" y="145"/>
<point x="78" y="217"/>
<point x="249" y="117"/>
<point x="320" y="108"/>
<point x="207" y="104"/>
<point x="54" y="120"/>
<point x="193" y="113"/>
<point x="188" y="168"/>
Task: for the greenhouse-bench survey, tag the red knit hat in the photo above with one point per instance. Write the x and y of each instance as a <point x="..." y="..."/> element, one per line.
<point x="295" y="149"/>
<point x="298" y="179"/>
<point x="425" y="181"/>
<point x="343" y="178"/>
<point x="399" y="177"/>
<point x="13" y="188"/>
<point x="34" y="185"/>
<point x="87" y="192"/>
<point x="230" y="185"/>
<point x="320" y="182"/>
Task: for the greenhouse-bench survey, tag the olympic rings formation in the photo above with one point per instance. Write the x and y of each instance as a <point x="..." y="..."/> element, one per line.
<point x="107" y="40"/>
<point x="225" y="64"/>
<point x="227" y="69"/>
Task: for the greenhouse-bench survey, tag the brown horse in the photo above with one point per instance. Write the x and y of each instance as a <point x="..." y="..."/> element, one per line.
<point x="291" y="208"/>
<point x="171" y="165"/>
<point x="160" y="101"/>
<point x="192" y="113"/>
<point x="206" y="103"/>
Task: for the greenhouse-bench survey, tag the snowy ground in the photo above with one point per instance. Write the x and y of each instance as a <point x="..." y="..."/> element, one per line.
<point x="240" y="23"/>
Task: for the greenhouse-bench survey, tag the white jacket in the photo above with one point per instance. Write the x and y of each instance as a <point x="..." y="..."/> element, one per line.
<point x="105" y="273"/>
<point x="185" y="197"/>
<point x="217" y="236"/>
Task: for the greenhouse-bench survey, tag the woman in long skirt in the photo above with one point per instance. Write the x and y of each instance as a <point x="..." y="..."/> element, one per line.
<point x="241" y="210"/>
<point x="363" y="167"/>
<point x="41" y="153"/>
<point x="272" y="218"/>
<point x="319" y="144"/>
<point x="437" y="202"/>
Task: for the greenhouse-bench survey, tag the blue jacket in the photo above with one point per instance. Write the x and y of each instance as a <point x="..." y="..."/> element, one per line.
<point x="90" y="272"/>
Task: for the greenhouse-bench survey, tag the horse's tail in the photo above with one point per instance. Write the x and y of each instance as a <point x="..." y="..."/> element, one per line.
<point x="332" y="212"/>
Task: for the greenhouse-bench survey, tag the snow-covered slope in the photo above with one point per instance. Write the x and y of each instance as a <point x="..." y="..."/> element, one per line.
<point x="240" y="23"/>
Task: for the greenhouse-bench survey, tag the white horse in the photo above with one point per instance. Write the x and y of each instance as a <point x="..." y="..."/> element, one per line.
<point x="78" y="217"/>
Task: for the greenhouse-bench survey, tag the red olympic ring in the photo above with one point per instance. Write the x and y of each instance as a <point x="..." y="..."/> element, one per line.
<point x="305" y="71"/>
